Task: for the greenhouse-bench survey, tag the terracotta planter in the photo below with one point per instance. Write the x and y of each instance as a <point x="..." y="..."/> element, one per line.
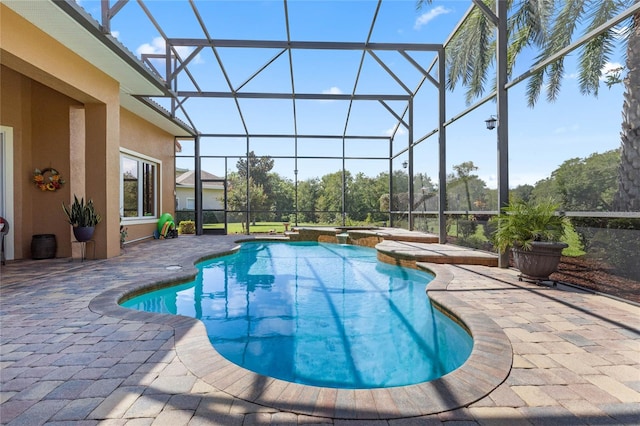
<point x="83" y="233"/>
<point x="539" y="262"/>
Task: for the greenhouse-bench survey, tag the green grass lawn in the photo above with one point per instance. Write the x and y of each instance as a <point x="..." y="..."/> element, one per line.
<point x="572" y="238"/>
<point x="258" y="228"/>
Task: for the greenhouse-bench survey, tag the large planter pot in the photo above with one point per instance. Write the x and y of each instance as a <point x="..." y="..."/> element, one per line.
<point x="83" y="233"/>
<point x="539" y="262"/>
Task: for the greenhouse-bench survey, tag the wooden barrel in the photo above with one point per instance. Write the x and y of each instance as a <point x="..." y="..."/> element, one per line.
<point x="43" y="246"/>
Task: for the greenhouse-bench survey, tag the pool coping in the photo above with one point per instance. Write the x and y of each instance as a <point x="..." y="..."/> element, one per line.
<point x="486" y="368"/>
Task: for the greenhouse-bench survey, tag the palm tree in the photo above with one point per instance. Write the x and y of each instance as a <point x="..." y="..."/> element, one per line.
<point x="627" y="197"/>
<point x="463" y="171"/>
<point x="549" y="26"/>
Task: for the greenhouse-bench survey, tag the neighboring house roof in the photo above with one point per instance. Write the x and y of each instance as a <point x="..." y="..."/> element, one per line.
<point x="187" y="180"/>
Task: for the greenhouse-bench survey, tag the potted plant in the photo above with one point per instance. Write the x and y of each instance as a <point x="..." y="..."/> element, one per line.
<point x="124" y="231"/>
<point x="82" y="217"/>
<point x="533" y="232"/>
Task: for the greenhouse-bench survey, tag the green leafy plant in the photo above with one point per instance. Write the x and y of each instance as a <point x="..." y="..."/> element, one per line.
<point x="523" y="222"/>
<point x="80" y="214"/>
<point x="124" y="231"/>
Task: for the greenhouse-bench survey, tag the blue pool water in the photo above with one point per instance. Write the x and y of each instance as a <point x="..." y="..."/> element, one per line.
<point x="319" y="314"/>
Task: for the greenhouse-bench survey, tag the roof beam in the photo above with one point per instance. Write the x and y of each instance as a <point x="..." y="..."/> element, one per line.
<point x="302" y="96"/>
<point x="309" y="45"/>
<point x="291" y="136"/>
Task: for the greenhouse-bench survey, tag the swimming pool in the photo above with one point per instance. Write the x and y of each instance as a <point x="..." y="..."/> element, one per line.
<point x="318" y="314"/>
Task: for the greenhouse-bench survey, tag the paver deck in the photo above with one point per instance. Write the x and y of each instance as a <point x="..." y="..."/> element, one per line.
<point x="69" y="354"/>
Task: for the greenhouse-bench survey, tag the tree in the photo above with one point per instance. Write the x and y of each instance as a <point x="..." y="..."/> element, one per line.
<point x="259" y="168"/>
<point x="282" y="197"/>
<point x="588" y="183"/>
<point x="546" y="189"/>
<point x="237" y="196"/>
<point x="308" y="193"/>
<point x="478" y="192"/>
<point x="549" y="25"/>
<point x="627" y="197"/>
<point x="425" y="192"/>
<point x="464" y="175"/>
<point x="330" y="200"/>
<point x="363" y="198"/>
<point x="258" y="172"/>
<point x="521" y="193"/>
<point x="400" y="184"/>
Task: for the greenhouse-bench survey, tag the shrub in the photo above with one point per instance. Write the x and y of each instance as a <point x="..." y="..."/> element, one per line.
<point x="182" y="215"/>
<point x="187" y="227"/>
<point x="475" y="241"/>
<point x="467" y="228"/>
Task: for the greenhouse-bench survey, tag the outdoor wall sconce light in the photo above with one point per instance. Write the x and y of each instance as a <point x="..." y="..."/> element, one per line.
<point x="404" y="164"/>
<point x="491" y="122"/>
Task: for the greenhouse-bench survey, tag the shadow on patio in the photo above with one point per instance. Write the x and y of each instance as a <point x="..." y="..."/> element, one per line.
<point x="65" y="357"/>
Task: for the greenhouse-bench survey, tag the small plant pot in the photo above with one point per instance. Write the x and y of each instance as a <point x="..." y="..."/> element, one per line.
<point x="539" y="262"/>
<point x="83" y="233"/>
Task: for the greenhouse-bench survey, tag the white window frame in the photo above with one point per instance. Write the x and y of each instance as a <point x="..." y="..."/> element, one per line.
<point x="157" y="188"/>
<point x="6" y="179"/>
<point x="190" y="200"/>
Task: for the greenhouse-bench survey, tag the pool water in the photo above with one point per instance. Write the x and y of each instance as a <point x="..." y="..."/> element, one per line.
<point x="318" y="314"/>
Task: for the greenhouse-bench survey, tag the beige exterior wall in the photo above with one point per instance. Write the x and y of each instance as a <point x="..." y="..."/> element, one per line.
<point x="66" y="114"/>
<point x="141" y="137"/>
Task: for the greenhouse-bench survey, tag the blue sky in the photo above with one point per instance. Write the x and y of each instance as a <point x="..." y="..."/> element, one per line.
<point x="540" y="138"/>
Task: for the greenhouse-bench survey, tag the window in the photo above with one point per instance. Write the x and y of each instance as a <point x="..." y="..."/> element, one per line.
<point x="191" y="203"/>
<point x="138" y="195"/>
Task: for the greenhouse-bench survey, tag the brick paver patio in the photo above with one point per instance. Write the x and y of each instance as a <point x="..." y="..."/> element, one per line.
<point x="70" y="355"/>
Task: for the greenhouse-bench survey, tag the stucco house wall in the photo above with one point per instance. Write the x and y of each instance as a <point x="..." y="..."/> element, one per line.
<point x="65" y="113"/>
<point x="139" y="136"/>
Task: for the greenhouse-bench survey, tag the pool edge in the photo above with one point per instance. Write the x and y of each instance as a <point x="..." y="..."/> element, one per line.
<point x="486" y="368"/>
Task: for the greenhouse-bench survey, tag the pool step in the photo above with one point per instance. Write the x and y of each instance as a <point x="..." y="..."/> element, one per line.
<point x="371" y="237"/>
<point x="397" y="246"/>
<point x="409" y="253"/>
<point x="292" y="235"/>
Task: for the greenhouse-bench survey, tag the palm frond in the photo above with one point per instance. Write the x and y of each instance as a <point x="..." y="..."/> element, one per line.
<point x="559" y="37"/>
<point x="481" y="61"/>
<point x="594" y="56"/>
<point x="534" y="87"/>
<point x="470" y="54"/>
<point x="596" y="53"/>
<point x="556" y="73"/>
<point x="421" y="3"/>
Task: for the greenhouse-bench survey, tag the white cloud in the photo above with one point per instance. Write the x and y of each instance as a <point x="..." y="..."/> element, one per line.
<point x="606" y="68"/>
<point x="401" y="131"/>
<point x="158" y="46"/>
<point x="115" y="34"/>
<point x="332" y="91"/>
<point x="567" y="129"/>
<point x="610" y="67"/>
<point x="427" y="17"/>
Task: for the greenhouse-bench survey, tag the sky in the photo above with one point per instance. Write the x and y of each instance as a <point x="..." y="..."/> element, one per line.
<point x="540" y="139"/>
